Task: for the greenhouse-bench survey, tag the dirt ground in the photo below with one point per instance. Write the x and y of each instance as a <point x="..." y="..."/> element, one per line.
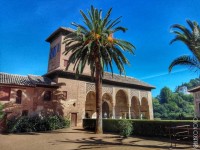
<point x="77" y="139"/>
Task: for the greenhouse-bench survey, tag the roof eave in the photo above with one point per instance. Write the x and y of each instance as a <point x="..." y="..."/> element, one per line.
<point x="56" y="32"/>
<point x="194" y="89"/>
<point x="59" y="72"/>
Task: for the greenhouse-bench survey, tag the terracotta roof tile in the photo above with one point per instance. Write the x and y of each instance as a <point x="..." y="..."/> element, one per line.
<point x="125" y="79"/>
<point x="29" y="80"/>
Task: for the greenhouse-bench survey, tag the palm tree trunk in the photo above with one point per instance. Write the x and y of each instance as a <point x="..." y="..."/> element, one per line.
<point x="98" y="86"/>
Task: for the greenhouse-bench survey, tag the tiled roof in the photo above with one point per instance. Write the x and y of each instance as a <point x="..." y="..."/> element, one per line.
<point x="58" y="31"/>
<point x="107" y="78"/>
<point x="40" y="80"/>
<point x="29" y="80"/>
<point x="125" y="79"/>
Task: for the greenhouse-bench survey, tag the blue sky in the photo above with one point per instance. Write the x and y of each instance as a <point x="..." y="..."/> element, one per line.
<point x="25" y="24"/>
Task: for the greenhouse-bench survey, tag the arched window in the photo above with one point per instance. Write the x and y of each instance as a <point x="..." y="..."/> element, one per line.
<point x="19" y="97"/>
<point x="47" y="96"/>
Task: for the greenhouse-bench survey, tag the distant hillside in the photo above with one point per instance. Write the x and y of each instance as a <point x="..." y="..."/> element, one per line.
<point x="192" y="83"/>
<point x="173" y="105"/>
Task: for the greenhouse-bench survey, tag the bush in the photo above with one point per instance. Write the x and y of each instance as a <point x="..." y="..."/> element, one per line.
<point x="35" y="124"/>
<point x="125" y="128"/>
<point x="155" y="128"/>
<point x="1" y="112"/>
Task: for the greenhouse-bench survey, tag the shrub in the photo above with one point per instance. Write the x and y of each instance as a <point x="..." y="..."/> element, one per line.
<point x="1" y="112"/>
<point x="34" y="124"/>
<point x="155" y="128"/>
<point x="125" y="128"/>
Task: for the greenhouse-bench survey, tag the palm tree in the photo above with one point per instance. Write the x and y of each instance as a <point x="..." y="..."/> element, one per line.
<point x="95" y="45"/>
<point x="191" y="38"/>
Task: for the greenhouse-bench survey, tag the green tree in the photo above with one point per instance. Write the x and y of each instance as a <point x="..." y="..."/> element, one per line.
<point x="191" y="38"/>
<point x="165" y="95"/>
<point x="95" y="45"/>
<point x="1" y="111"/>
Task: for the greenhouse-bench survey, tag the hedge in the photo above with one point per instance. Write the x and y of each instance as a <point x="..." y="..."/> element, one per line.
<point x="155" y="128"/>
<point x="35" y="124"/>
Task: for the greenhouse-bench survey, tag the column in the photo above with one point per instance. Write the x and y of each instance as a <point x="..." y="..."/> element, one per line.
<point x="129" y="112"/>
<point x="113" y="112"/>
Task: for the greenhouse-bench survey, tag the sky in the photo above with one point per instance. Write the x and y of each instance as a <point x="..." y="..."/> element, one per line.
<point x="25" y="24"/>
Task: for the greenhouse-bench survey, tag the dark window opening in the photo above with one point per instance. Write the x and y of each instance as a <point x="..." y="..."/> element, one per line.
<point x="47" y="96"/>
<point x="25" y="113"/>
<point x="19" y="97"/>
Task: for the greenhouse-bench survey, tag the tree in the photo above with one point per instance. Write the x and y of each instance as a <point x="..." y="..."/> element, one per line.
<point x="1" y="111"/>
<point x="191" y="38"/>
<point x="165" y="95"/>
<point x="95" y="45"/>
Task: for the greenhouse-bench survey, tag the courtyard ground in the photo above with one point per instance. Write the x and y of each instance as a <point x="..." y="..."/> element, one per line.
<point x="77" y="139"/>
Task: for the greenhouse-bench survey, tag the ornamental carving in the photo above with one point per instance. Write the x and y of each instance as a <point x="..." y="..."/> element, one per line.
<point x="90" y="87"/>
<point x="134" y="93"/>
<point x="107" y="89"/>
<point x="143" y="94"/>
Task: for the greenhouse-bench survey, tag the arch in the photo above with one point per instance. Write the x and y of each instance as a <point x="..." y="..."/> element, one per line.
<point x="90" y="104"/>
<point x="135" y="108"/>
<point x="107" y="103"/>
<point x="121" y="106"/>
<point x="19" y="97"/>
<point x="105" y="110"/>
<point x="144" y="108"/>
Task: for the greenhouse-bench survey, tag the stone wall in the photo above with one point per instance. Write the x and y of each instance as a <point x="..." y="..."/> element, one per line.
<point x="32" y="101"/>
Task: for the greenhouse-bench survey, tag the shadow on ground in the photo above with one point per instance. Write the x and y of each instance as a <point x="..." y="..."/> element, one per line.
<point x="116" y="142"/>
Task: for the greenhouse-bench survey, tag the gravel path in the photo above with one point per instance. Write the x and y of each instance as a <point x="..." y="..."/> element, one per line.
<point x="77" y="139"/>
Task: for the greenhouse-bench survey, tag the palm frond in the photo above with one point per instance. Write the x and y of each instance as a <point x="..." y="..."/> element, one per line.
<point x="90" y="43"/>
<point x="185" y="60"/>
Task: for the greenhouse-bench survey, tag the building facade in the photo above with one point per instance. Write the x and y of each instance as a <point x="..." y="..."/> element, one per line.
<point x="60" y="92"/>
<point x="196" y="93"/>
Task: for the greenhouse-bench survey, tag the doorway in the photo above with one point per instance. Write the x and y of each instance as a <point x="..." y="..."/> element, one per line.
<point x="73" y="119"/>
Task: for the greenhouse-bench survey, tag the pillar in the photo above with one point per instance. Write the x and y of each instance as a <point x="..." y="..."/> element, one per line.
<point x="129" y="112"/>
<point x="113" y="112"/>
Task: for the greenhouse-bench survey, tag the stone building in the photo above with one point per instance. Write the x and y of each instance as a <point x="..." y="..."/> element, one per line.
<point x="59" y="91"/>
<point x="196" y="93"/>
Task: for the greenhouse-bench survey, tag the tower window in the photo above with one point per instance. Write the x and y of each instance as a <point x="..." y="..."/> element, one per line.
<point x="54" y="51"/>
<point x="47" y="96"/>
<point x="19" y="97"/>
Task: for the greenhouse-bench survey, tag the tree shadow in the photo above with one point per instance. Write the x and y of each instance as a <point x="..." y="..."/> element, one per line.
<point x="96" y="142"/>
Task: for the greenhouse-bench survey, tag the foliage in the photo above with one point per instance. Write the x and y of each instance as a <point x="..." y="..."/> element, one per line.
<point x="1" y="111"/>
<point x="35" y="124"/>
<point x="169" y="105"/>
<point x="154" y="128"/>
<point x="191" y="84"/>
<point x="165" y="95"/>
<point x="191" y="38"/>
<point x="125" y="128"/>
<point x="96" y="46"/>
